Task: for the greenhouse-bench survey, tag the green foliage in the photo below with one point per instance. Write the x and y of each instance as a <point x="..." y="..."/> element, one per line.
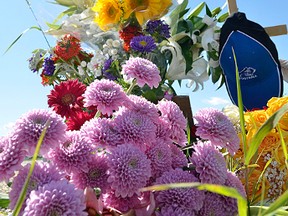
<point x="4" y="200"/>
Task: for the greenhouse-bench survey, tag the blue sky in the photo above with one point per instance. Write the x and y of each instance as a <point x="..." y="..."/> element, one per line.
<point x="21" y="90"/>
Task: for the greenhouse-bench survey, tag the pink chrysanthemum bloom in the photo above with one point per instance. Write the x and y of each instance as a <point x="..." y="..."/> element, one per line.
<point x="106" y="95"/>
<point x="134" y="127"/>
<point x="95" y="176"/>
<point x="11" y="157"/>
<point x="160" y="157"/>
<point x="29" y="127"/>
<point x="163" y="132"/>
<point x="233" y="181"/>
<point x="143" y="70"/>
<point x="121" y="204"/>
<point x="171" y="211"/>
<point x="73" y="154"/>
<point x="56" y="198"/>
<point x="179" y="159"/>
<point x="171" y="113"/>
<point x="100" y="132"/>
<point x="180" y="199"/>
<point x="209" y="163"/>
<point x="43" y="173"/>
<point x="215" y="126"/>
<point x="129" y="169"/>
<point x="143" y="106"/>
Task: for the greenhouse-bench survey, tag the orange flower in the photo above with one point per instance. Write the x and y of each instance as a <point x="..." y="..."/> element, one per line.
<point x="275" y="104"/>
<point x="270" y="142"/>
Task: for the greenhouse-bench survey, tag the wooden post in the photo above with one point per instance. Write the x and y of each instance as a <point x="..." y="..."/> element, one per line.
<point x="183" y="101"/>
<point x="232" y="6"/>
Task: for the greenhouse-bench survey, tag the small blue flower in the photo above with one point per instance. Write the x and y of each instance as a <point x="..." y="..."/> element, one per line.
<point x="143" y="43"/>
<point x="159" y="29"/>
<point x="48" y="66"/>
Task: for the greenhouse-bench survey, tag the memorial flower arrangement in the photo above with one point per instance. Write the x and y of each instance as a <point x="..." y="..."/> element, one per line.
<point x="114" y="143"/>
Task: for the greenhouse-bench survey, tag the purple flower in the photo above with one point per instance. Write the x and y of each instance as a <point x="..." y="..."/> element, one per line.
<point x="130" y="170"/>
<point x="56" y="198"/>
<point x="233" y="181"/>
<point x="135" y="128"/>
<point x="105" y="69"/>
<point x="95" y="176"/>
<point x="48" y="66"/>
<point x="171" y="113"/>
<point x="172" y="211"/>
<point x="43" y="173"/>
<point x="214" y="125"/>
<point x="159" y="29"/>
<point x="143" y="43"/>
<point x="119" y="203"/>
<point x="11" y="157"/>
<point x="72" y="154"/>
<point x="100" y="132"/>
<point x="180" y="199"/>
<point x="29" y="127"/>
<point x="179" y="159"/>
<point x="209" y="163"/>
<point x="107" y="95"/>
<point x="143" y="70"/>
<point x="161" y="158"/>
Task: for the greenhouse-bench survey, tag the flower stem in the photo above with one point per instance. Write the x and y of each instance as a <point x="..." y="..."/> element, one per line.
<point x="133" y="84"/>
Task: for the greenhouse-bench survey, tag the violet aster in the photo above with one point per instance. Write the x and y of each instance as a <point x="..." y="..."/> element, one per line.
<point x="172" y="114"/>
<point x="143" y="71"/>
<point x="161" y="158"/>
<point x="179" y="159"/>
<point x="106" y="95"/>
<point x="143" y="106"/>
<point x="95" y="176"/>
<point x="134" y="127"/>
<point x="129" y="170"/>
<point x="119" y="203"/>
<point x="215" y="126"/>
<point x="43" y="173"/>
<point x="56" y="198"/>
<point x="180" y="199"/>
<point x="11" y="156"/>
<point x="29" y="127"/>
<point x="73" y="154"/>
<point x="209" y="163"/>
<point x="100" y="133"/>
<point x="143" y="43"/>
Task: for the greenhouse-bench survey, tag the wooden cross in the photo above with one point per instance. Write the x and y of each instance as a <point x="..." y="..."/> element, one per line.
<point x="271" y="31"/>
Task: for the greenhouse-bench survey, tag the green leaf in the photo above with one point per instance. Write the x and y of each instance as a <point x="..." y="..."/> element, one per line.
<point x="4" y="200"/>
<point x="32" y="27"/>
<point x="223" y="17"/>
<point x="208" y="12"/>
<point x="255" y="210"/>
<point x="53" y="26"/>
<point x="68" y="12"/>
<point x="216" y="74"/>
<point x="197" y="10"/>
<point x="263" y="131"/>
<point x="216" y="11"/>
<point x="174" y="16"/>
<point x="186" y="44"/>
<point x="278" y="203"/>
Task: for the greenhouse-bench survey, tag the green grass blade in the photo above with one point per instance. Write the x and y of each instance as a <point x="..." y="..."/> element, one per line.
<point x="256" y="209"/>
<point x="33" y="27"/>
<point x="283" y="144"/>
<point x="263" y="131"/>
<point x="280" y="202"/>
<point x="33" y="162"/>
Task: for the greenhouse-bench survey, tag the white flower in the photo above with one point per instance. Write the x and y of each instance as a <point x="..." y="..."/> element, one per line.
<point x="208" y="20"/>
<point x="208" y="39"/>
<point x="212" y="63"/>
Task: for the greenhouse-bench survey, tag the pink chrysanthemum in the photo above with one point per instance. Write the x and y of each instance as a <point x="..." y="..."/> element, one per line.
<point x="135" y="128"/>
<point x="56" y="198"/>
<point x="106" y="95"/>
<point x="179" y="159"/>
<point x="215" y="126"/>
<point x="95" y="176"/>
<point x="100" y="132"/>
<point x="121" y="204"/>
<point x="29" y="127"/>
<point x="143" y="70"/>
<point x="143" y="106"/>
<point x="130" y="170"/>
<point x="11" y="157"/>
<point x="43" y="173"/>
<point x="171" y="211"/>
<point x="161" y="159"/>
<point x="73" y="154"/>
<point x="163" y="132"/>
<point x="209" y="163"/>
<point x="233" y="181"/>
<point x="171" y="113"/>
<point x="180" y="199"/>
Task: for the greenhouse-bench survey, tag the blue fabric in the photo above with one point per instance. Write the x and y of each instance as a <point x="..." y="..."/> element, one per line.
<point x="260" y="77"/>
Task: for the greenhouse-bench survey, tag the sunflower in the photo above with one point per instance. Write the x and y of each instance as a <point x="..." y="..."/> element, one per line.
<point x="108" y="13"/>
<point x="146" y="9"/>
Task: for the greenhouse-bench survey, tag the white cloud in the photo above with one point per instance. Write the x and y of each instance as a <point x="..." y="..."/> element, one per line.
<point x="216" y="101"/>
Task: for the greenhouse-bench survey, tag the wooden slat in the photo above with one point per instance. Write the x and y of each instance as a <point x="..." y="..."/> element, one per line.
<point x="232" y="6"/>
<point x="276" y="30"/>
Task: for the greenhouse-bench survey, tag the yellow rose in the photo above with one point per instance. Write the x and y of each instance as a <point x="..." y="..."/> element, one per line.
<point x="275" y="104"/>
<point x="255" y="119"/>
<point x="270" y="142"/>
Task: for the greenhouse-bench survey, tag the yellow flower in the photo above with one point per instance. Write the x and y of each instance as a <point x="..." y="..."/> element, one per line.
<point x="255" y="119"/>
<point x="146" y="9"/>
<point x="275" y="104"/>
<point x="270" y="142"/>
<point x="108" y="13"/>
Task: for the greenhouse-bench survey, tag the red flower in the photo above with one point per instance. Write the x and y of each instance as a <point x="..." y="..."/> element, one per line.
<point x="127" y="33"/>
<point x="66" y="98"/>
<point x="67" y="47"/>
<point x="75" y="121"/>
